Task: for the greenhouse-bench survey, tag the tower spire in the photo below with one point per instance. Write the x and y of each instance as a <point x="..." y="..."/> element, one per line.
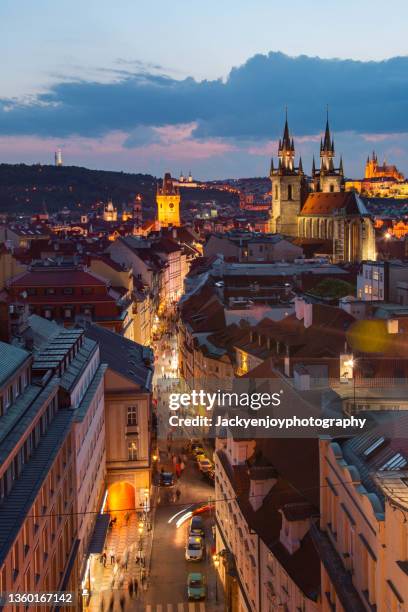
<point x="286" y="144"/>
<point x="328" y="145"/>
<point x="286" y="150"/>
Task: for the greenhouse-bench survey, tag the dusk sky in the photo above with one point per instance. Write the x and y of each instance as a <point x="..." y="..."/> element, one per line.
<point x="201" y="86"/>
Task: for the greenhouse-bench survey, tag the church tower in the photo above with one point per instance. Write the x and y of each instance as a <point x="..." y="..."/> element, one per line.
<point x="168" y="203"/>
<point x="137" y="214"/>
<point x="328" y="178"/>
<point x="288" y="188"/>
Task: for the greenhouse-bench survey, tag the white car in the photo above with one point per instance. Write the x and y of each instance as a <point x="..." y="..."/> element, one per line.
<point x="204" y="464"/>
<point x="194" y="548"/>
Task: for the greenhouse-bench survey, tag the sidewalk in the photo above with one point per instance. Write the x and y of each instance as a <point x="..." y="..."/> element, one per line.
<point x="111" y="582"/>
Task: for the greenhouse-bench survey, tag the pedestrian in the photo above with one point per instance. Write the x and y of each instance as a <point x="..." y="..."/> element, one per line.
<point x="178" y="493"/>
<point x="182" y="466"/>
<point x="104" y="558"/>
<point x="174" y="459"/>
<point x="112" y="556"/>
<point x="178" y="470"/>
<point x="122" y="602"/>
<point x="135" y="586"/>
<point x="130" y="588"/>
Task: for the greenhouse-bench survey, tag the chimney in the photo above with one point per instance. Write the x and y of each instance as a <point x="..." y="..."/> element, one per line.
<point x="296" y="520"/>
<point x="262" y="479"/>
<point x="299" y="307"/>
<point x="308" y="314"/>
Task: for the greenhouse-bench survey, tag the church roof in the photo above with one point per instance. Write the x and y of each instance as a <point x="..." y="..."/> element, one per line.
<point x="323" y="203"/>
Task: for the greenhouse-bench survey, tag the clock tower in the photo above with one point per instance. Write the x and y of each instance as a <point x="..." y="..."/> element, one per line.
<point x="168" y="203"/>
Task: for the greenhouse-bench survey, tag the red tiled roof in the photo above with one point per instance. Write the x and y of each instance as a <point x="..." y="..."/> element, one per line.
<point x="327" y="203"/>
<point x="60" y="278"/>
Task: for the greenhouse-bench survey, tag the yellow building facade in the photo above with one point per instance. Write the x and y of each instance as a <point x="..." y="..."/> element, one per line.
<point x="168" y="203"/>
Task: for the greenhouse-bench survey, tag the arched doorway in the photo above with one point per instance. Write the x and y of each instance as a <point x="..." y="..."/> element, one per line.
<point x="121" y="499"/>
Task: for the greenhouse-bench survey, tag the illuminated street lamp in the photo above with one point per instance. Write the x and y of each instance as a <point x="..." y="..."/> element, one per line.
<point x="216" y="561"/>
<point x="351" y="364"/>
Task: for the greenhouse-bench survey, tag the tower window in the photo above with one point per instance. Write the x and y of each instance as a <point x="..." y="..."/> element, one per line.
<point x="276" y="192"/>
<point x="331" y="188"/>
<point x="289" y="192"/>
<point x="171" y="205"/>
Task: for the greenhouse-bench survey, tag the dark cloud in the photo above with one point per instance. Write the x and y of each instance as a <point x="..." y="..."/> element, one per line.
<point x="367" y="97"/>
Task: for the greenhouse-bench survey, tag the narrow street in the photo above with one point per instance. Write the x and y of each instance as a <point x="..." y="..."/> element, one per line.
<point x="169" y="569"/>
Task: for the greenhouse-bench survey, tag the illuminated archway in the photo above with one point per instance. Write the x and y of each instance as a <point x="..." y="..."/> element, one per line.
<point x="121" y="499"/>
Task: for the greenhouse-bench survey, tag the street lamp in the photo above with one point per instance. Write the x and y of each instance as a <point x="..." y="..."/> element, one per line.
<point x="140" y="530"/>
<point x="216" y="564"/>
<point x="351" y="364"/>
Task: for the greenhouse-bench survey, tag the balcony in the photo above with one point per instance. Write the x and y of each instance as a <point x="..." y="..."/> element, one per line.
<point x="132" y="430"/>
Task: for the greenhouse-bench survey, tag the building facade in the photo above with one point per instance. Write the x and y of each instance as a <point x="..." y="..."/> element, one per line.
<point x="168" y="203"/>
<point x="128" y="421"/>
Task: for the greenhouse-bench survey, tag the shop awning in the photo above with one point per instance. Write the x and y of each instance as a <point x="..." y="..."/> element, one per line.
<point x="99" y="534"/>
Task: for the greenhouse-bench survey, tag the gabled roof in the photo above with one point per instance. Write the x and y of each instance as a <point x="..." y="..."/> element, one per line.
<point x="54" y="278"/>
<point x="123" y="356"/>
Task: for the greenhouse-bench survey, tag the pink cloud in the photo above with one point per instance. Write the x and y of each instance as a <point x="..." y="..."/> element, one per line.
<point x="383" y="137"/>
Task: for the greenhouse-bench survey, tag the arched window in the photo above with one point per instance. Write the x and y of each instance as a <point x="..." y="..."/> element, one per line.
<point x="276" y="192"/>
<point x="289" y="192"/>
<point x="331" y="188"/>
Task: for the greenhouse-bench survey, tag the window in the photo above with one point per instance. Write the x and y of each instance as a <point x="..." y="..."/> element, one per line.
<point x="290" y="193"/>
<point x="49" y="291"/>
<point x="87" y="290"/>
<point x="15" y="561"/>
<point x="396" y="462"/>
<point x="132" y="450"/>
<point x="68" y="291"/>
<point x="48" y="313"/>
<point x="276" y="192"/>
<point x="132" y="415"/>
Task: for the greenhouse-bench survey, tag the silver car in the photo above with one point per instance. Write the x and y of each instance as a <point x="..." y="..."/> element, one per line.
<point x="194" y="548"/>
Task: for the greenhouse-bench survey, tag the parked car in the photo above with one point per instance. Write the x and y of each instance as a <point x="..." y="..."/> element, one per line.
<point x="204" y="464"/>
<point x="196" y="526"/>
<point x="166" y="479"/>
<point x="196" y="588"/>
<point x="194" y="548"/>
<point x="209" y="475"/>
<point x="198" y="450"/>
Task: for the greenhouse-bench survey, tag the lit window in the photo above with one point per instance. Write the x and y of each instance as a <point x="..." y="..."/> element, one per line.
<point x="132" y="450"/>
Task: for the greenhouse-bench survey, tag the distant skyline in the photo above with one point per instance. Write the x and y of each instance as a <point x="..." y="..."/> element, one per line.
<point x="201" y="86"/>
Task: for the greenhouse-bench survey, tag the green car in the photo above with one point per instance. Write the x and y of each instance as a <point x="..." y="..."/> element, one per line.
<point x="196" y="586"/>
